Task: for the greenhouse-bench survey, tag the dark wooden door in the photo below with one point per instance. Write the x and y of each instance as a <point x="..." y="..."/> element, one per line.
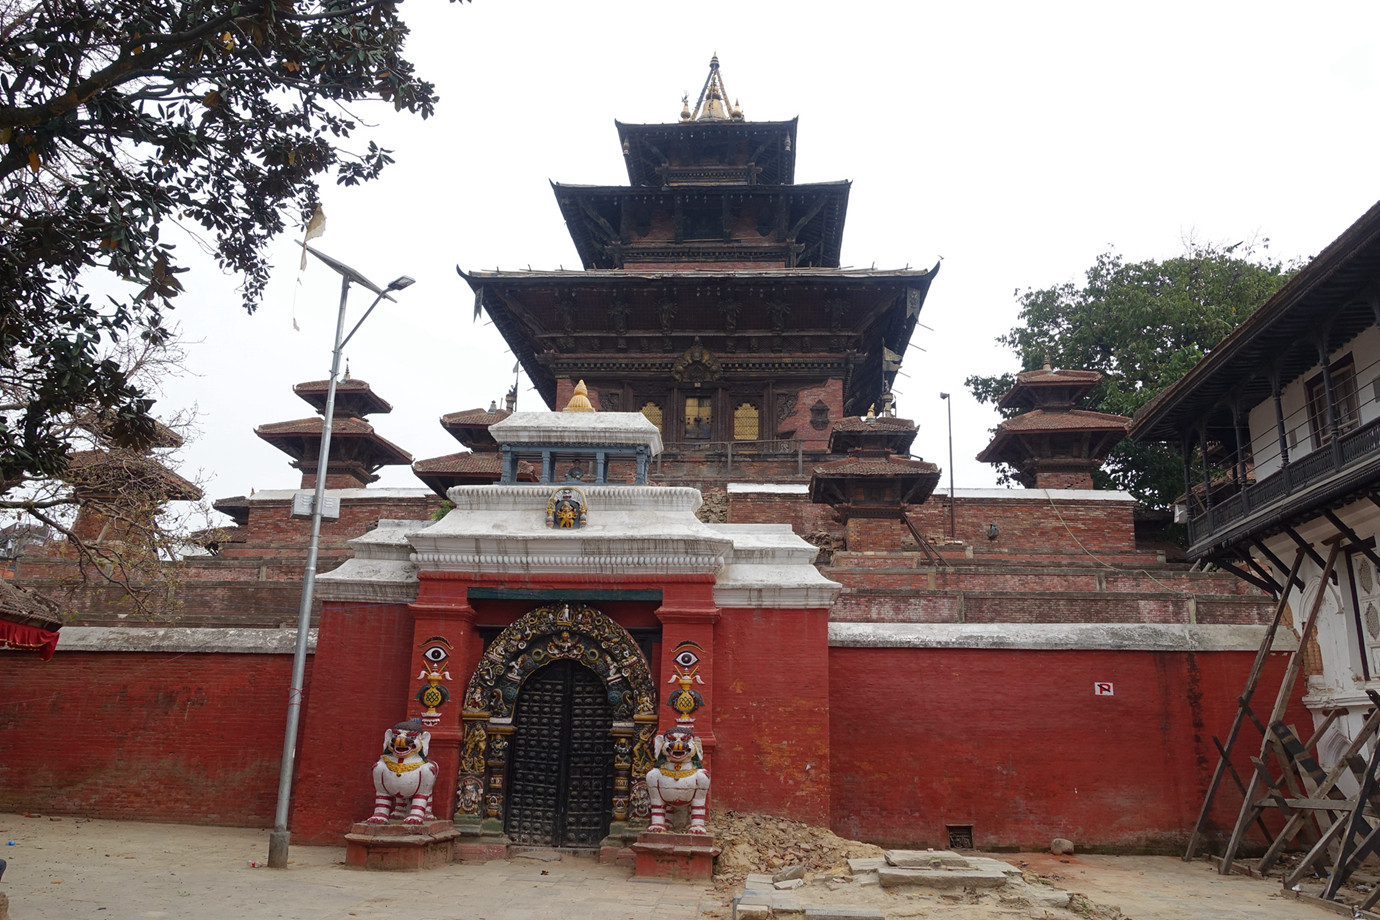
<point x="561" y="768"/>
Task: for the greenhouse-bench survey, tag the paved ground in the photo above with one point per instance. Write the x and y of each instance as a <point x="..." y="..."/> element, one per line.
<point x="71" y="869"/>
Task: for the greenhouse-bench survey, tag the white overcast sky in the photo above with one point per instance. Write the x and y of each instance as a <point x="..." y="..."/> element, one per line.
<point x="1016" y="141"/>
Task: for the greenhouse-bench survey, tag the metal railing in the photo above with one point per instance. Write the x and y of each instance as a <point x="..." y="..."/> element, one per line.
<point x="1328" y="460"/>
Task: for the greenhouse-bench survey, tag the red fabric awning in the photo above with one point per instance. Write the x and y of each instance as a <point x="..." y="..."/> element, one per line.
<point x="28" y="638"/>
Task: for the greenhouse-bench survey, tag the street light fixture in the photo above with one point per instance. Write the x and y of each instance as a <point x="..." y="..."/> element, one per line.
<point x="278" y="839"/>
<point x="950" y="403"/>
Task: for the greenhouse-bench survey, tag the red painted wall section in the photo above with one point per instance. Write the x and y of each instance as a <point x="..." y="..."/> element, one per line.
<point x="144" y="736"/>
<point x="361" y="689"/>
<point x="1016" y="744"/>
<point x="772" y="713"/>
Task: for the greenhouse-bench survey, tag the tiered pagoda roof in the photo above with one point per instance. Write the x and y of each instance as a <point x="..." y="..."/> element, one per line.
<point x="357" y="451"/>
<point x="1051" y="444"/>
<point x="713" y="246"/>
<point x="876" y="479"/>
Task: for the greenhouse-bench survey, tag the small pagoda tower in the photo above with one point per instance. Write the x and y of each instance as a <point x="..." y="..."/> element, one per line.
<point x="120" y="490"/>
<point x="870" y="489"/>
<point x="356" y="449"/>
<point x="1050" y="444"/>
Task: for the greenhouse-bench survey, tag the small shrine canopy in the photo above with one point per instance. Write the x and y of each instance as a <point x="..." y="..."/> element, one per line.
<point x="567" y="441"/>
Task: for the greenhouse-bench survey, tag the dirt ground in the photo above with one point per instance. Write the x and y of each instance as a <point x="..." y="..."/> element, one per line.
<point x="112" y="870"/>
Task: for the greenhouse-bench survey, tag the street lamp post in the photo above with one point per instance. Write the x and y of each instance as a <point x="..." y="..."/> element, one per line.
<point x="950" y="403"/>
<point x="278" y="839"/>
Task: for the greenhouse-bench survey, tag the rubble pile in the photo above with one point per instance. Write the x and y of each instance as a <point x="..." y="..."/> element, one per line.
<point x="761" y="843"/>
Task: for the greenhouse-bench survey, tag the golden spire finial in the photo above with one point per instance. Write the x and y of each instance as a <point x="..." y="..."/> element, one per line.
<point x="685" y="108"/>
<point x="712" y="104"/>
<point x="579" y="402"/>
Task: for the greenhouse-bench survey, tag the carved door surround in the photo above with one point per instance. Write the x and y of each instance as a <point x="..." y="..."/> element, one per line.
<point x="553" y="633"/>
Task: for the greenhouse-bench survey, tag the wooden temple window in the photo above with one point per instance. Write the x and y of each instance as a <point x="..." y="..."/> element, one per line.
<point x="1343" y="373"/>
<point x="653" y="414"/>
<point x="698" y="418"/>
<point x="747" y="423"/>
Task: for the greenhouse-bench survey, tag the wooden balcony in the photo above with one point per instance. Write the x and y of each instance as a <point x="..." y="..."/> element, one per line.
<point x="1325" y="478"/>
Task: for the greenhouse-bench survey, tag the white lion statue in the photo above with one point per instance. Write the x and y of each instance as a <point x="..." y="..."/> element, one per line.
<point x="679" y="778"/>
<point x="403" y="777"/>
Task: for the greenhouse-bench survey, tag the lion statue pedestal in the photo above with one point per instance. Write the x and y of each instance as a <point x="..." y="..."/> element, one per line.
<point x="678" y="780"/>
<point x="402" y="833"/>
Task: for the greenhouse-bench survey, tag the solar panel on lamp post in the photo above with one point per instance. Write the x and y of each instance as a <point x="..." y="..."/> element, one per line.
<point x="279" y="838"/>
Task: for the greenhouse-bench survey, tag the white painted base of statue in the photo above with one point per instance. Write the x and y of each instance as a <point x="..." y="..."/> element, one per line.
<point x="678" y="779"/>
<point x="403" y="777"/>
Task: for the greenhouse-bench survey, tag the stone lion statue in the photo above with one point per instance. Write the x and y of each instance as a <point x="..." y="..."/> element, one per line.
<point x="678" y="779"/>
<point x="403" y="777"/>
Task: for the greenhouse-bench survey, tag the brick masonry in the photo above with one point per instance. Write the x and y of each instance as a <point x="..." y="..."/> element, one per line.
<point x="143" y="736"/>
<point x="1016" y="744"/>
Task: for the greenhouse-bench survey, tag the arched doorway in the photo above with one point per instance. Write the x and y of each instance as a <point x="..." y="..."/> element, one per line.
<point x="559" y="720"/>
<point x="560" y="774"/>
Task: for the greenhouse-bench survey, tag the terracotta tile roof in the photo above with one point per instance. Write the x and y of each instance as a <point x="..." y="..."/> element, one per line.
<point x="18" y="605"/>
<point x="101" y="469"/>
<point x="470" y="417"/>
<point x="352" y="396"/>
<point x="464" y="462"/>
<point x="875" y="466"/>
<point x="856" y="423"/>
<point x="1069" y="420"/>
<point x="1040" y="376"/>
<point x="282" y="434"/>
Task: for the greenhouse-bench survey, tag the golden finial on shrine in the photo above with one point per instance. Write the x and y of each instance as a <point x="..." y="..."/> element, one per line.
<point x="579" y="402"/>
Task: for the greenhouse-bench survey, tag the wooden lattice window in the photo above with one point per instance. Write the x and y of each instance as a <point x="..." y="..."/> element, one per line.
<point x="653" y="413"/>
<point x="747" y="423"/>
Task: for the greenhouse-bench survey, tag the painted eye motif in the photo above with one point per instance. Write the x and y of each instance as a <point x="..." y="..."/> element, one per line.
<point x="687" y="659"/>
<point x="435" y="654"/>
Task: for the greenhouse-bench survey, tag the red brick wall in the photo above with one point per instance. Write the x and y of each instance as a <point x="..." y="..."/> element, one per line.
<point x="361" y="689"/>
<point x="803" y="515"/>
<point x="1015" y="744"/>
<point x="1030" y="524"/>
<point x="271" y="524"/>
<point x="771" y="699"/>
<point x="1063" y="479"/>
<point x="149" y="736"/>
<point x="797" y="424"/>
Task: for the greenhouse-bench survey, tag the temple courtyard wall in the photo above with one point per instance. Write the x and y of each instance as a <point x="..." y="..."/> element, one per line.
<point x="930" y="697"/>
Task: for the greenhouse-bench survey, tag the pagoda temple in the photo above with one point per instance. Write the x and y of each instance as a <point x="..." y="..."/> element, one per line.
<point x="712" y="299"/>
<point x="1050" y="444"/>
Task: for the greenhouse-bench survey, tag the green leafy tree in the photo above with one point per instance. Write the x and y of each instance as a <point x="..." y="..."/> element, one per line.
<point x="118" y="117"/>
<point x="1143" y="325"/>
